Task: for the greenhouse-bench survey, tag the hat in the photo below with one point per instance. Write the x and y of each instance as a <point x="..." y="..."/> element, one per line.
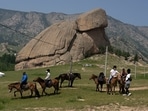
<point x="48" y="70"/>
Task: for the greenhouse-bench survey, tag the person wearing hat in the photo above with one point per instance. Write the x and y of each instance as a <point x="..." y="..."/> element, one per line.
<point x="113" y="72"/>
<point x="47" y="78"/>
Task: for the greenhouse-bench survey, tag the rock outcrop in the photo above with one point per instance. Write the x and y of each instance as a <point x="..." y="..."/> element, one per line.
<point x="65" y="41"/>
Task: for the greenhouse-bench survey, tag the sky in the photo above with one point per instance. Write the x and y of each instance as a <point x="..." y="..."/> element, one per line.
<point x="133" y="12"/>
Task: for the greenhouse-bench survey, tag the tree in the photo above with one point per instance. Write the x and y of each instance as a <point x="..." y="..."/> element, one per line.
<point x="136" y="58"/>
<point x="7" y="62"/>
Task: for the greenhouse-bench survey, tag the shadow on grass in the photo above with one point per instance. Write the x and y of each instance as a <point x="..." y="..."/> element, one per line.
<point x="28" y="97"/>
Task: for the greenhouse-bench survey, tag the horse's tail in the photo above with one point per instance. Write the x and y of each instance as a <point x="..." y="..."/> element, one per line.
<point x="36" y="91"/>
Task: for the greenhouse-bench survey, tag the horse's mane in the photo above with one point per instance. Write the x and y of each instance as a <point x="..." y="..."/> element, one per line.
<point x="94" y="75"/>
<point x="15" y="83"/>
<point x="76" y="74"/>
<point x="42" y="80"/>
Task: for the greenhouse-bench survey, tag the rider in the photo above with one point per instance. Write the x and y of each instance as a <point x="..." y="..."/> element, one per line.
<point x="101" y="76"/>
<point x="23" y="80"/>
<point x="113" y="72"/>
<point x="47" y="78"/>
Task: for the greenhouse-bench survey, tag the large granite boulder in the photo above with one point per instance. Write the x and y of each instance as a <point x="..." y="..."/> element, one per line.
<point x="65" y="41"/>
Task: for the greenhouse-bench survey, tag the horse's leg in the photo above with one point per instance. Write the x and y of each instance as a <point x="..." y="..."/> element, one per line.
<point x="56" y="88"/>
<point x="107" y="88"/>
<point x="31" y="92"/>
<point x="101" y="87"/>
<point x="15" y="93"/>
<point x="36" y="92"/>
<point x="97" y="89"/>
<point x="61" y="82"/>
<point x="18" y="91"/>
<point x="71" y="83"/>
<point x="123" y="90"/>
<point x="43" y="91"/>
<point x="111" y="89"/>
<point x="114" y="90"/>
<point x="120" y="88"/>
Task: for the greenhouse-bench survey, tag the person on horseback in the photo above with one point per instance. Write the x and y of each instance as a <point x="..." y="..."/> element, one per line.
<point x="113" y="72"/>
<point x="128" y="80"/>
<point x="47" y="78"/>
<point x="23" y="80"/>
<point x="101" y="77"/>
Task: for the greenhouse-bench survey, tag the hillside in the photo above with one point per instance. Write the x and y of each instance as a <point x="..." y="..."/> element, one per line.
<point x="18" y="28"/>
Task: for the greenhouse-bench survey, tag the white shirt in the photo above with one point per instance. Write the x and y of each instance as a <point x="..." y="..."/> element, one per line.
<point x="113" y="73"/>
<point x="127" y="76"/>
<point x="47" y="76"/>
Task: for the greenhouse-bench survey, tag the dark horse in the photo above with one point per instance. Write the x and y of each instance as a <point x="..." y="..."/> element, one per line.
<point x="70" y="77"/>
<point x="99" y="80"/>
<point x="29" y="86"/>
<point x="52" y="83"/>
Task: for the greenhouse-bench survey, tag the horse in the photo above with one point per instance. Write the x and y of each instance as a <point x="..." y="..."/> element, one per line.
<point x="52" y="83"/>
<point x="99" y="80"/>
<point x="121" y="85"/>
<point x="29" y="86"/>
<point x="70" y="77"/>
<point x="113" y="83"/>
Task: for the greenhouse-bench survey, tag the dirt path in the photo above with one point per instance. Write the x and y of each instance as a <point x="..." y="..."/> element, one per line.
<point x="139" y="88"/>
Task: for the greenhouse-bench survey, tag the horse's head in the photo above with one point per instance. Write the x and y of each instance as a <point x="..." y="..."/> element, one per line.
<point x="10" y="88"/>
<point x="15" y="85"/>
<point x="38" y="79"/>
<point x="93" y="76"/>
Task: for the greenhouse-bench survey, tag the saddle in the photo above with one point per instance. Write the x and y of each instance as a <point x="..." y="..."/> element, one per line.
<point x="23" y="87"/>
<point x="69" y="76"/>
<point x="48" y="82"/>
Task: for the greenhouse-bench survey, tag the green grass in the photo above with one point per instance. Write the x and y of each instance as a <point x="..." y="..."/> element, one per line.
<point x="81" y="95"/>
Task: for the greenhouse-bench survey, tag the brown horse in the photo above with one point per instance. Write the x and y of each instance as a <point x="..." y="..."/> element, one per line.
<point x="113" y="83"/>
<point x="29" y="86"/>
<point x="121" y="85"/>
<point x="52" y="83"/>
<point x="70" y="77"/>
<point x="98" y="81"/>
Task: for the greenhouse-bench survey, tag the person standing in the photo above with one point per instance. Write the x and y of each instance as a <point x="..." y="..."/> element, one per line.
<point x="23" y="80"/>
<point x="123" y="73"/>
<point x="123" y="76"/>
<point x="128" y="80"/>
<point x="113" y="72"/>
<point x="47" y="78"/>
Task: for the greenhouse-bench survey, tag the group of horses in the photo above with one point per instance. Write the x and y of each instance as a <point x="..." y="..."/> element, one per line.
<point x="110" y="86"/>
<point x="55" y="83"/>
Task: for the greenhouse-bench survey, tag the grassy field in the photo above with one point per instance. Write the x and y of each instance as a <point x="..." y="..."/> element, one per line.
<point x="82" y="96"/>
